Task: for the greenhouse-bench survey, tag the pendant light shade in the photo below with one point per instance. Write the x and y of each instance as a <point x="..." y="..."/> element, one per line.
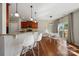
<point x="16" y="13"/>
<point x="31" y="19"/>
<point x="35" y="17"/>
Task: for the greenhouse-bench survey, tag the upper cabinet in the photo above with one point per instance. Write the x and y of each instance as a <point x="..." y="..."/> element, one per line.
<point x="29" y="25"/>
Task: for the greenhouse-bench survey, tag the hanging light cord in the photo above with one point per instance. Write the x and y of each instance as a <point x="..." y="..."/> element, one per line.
<point x="16" y="11"/>
<point x="16" y="7"/>
<point x="31" y="11"/>
<point x="35" y="14"/>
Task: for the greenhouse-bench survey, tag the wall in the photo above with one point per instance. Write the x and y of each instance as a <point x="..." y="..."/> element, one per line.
<point x="0" y="18"/>
<point x="1" y="46"/>
<point x="43" y="24"/>
<point x="14" y="24"/>
<point x="1" y="38"/>
<point x="13" y="27"/>
<point x="3" y="18"/>
<point x="64" y="19"/>
<point x="55" y="26"/>
<point x="76" y="27"/>
<point x="2" y="26"/>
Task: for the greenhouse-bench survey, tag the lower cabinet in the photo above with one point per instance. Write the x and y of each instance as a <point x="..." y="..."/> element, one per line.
<point x="11" y="45"/>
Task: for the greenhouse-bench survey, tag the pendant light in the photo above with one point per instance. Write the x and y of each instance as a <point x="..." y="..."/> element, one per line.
<point x="31" y="13"/>
<point x="16" y="13"/>
<point x="35" y="17"/>
<point x="50" y="20"/>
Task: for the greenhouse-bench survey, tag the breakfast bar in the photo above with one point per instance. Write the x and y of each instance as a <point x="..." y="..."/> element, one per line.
<point x="11" y="44"/>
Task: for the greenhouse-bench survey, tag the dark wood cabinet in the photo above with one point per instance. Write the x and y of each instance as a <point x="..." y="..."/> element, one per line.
<point x="27" y="24"/>
<point x="34" y="25"/>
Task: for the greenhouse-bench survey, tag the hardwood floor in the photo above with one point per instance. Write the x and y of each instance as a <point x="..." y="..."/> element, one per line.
<point x="50" y="48"/>
<point x="73" y="50"/>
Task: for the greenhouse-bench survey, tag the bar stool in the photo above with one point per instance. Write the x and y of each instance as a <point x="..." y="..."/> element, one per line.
<point x="38" y="40"/>
<point x="28" y="44"/>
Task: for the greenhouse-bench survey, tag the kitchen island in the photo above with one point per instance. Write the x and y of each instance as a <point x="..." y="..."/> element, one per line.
<point x="11" y="44"/>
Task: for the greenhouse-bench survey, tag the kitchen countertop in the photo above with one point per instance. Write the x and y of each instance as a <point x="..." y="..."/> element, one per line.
<point x="16" y="33"/>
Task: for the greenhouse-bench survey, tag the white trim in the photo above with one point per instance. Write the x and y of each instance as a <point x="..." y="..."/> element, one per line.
<point x="4" y="18"/>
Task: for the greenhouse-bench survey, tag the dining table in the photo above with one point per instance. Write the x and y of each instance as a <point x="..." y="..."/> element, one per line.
<point x="53" y="46"/>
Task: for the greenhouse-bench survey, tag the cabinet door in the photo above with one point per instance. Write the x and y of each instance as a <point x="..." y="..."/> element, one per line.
<point x="9" y="49"/>
<point x="13" y="46"/>
<point x="34" y="25"/>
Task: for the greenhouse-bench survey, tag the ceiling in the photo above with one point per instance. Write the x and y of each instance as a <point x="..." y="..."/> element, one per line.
<point x="44" y="10"/>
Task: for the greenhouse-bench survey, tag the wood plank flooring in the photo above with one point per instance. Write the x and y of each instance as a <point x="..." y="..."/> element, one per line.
<point x="73" y="50"/>
<point x="48" y="48"/>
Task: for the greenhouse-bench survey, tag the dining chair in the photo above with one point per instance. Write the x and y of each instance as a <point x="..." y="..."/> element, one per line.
<point x="39" y="40"/>
<point x="28" y="44"/>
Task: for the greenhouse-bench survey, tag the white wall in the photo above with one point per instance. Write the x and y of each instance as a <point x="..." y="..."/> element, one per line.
<point x="1" y="46"/>
<point x="13" y="27"/>
<point x="1" y="38"/>
<point x="2" y="26"/>
<point x="0" y="18"/>
<point x="43" y="24"/>
<point x="3" y="18"/>
<point x="76" y="27"/>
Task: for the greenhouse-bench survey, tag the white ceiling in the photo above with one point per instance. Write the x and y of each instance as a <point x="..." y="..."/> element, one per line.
<point x="45" y="10"/>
